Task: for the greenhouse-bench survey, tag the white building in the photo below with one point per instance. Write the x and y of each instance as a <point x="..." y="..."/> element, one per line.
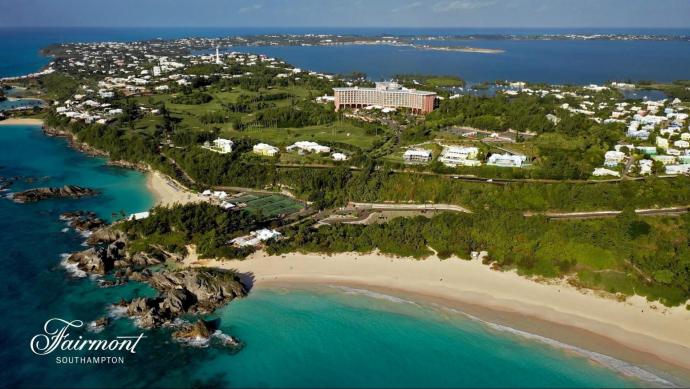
<point x="417" y="156"/>
<point x="256" y="237"/>
<point x="613" y="158"/>
<point x="265" y="150"/>
<point x="681" y="144"/>
<point x="506" y="160"/>
<point x="645" y="166"/>
<point x="603" y="172"/>
<point x="662" y="142"/>
<point x="311" y="147"/>
<point x="454" y="155"/>
<point x="339" y="157"/>
<point x="223" y="146"/>
<point x="678" y="169"/>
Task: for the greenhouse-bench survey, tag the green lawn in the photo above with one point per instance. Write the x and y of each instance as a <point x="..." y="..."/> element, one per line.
<point x="341" y="133"/>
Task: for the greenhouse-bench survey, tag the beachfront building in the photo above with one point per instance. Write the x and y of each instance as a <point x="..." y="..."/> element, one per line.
<point x="417" y="156"/>
<point x="265" y="149"/>
<point x="506" y="160"/>
<point x="459" y="156"/>
<point x="256" y="237"/>
<point x="385" y="95"/>
<point x="308" y="147"/>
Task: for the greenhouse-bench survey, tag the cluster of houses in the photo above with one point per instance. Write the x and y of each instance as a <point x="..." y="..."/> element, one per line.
<point x="658" y="128"/>
<point x="453" y="156"/>
<point x="660" y="133"/>
<point x="141" y="68"/>
<point x="225" y="146"/>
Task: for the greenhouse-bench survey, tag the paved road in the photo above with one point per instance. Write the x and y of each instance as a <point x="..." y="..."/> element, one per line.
<point x="407" y="207"/>
<point x="672" y="211"/>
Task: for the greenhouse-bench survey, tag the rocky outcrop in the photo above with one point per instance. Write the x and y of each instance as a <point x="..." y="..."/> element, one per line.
<point x="67" y="191"/>
<point x="180" y="292"/>
<point x="82" y="221"/>
<point x="185" y="292"/>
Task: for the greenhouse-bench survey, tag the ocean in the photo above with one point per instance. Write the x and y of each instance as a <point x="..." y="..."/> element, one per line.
<point x="576" y="62"/>
<point x="294" y="337"/>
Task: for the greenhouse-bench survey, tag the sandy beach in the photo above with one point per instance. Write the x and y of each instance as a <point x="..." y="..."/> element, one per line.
<point x="649" y="331"/>
<point x="167" y="191"/>
<point x="21" y="121"/>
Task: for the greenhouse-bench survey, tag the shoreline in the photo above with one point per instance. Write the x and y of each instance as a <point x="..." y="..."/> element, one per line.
<point x="167" y="191"/>
<point x="21" y="121"/>
<point x="635" y="331"/>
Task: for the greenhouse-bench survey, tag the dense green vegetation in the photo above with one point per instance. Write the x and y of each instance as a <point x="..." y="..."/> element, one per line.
<point x="58" y="86"/>
<point x="334" y="187"/>
<point x="429" y="81"/>
<point x="208" y="227"/>
<point x="627" y="254"/>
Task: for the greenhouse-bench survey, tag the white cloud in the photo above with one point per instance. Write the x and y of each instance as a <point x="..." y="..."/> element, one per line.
<point x="409" y="6"/>
<point x="462" y="5"/>
<point x="251" y="8"/>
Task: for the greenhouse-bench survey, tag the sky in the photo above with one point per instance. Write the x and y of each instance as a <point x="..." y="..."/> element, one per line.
<point x="345" y="13"/>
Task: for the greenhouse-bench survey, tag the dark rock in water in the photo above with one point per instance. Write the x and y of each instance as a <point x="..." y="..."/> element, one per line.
<point x="111" y="283"/>
<point x="141" y="276"/>
<point x="83" y="221"/>
<point x="67" y="191"/>
<point x="198" y="330"/>
<point x="93" y="260"/>
<point x="99" y="324"/>
<point x="185" y="291"/>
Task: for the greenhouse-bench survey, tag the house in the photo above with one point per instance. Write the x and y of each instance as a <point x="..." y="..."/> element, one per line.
<point x="223" y="146"/>
<point x="613" y="158"/>
<point x="506" y="160"/>
<point x="602" y="172"/>
<point x="649" y="150"/>
<point x="417" y="156"/>
<point x="265" y="150"/>
<point x="311" y="147"/>
<point x="665" y="159"/>
<point x="339" y="157"/>
<point x="678" y="169"/>
<point x="681" y="144"/>
<point x="662" y="142"/>
<point x="645" y="166"/>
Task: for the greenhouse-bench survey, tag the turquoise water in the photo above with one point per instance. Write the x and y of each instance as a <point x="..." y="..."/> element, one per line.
<point x="311" y="337"/>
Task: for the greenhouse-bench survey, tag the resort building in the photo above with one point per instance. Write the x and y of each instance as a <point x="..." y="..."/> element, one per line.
<point x="310" y="147"/>
<point x="385" y="95"/>
<point x="506" y="160"/>
<point x="265" y="150"/>
<point x="414" y="156"/>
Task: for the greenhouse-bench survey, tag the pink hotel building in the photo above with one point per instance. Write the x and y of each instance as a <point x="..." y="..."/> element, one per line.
<point x="385" y="94"/>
